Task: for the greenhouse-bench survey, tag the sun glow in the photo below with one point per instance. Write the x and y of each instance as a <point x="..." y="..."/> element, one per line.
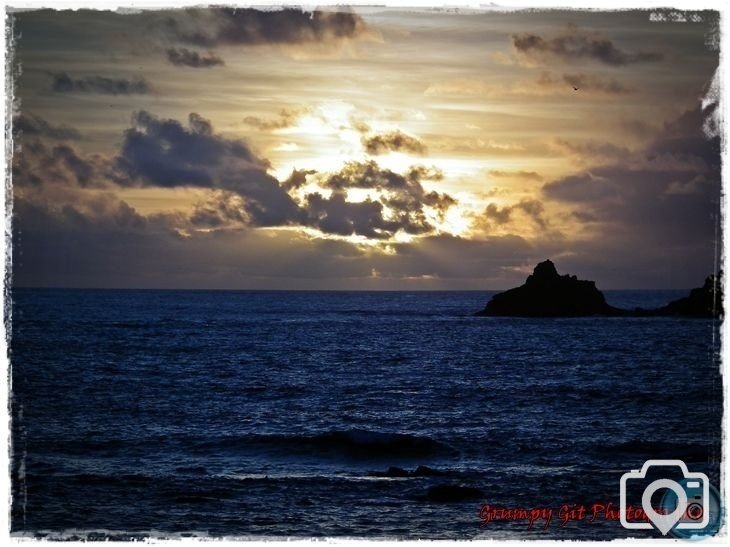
<point x="287" y="147"/>
<point x="326" y="137"/>
<point x="455" y="222"/>
<point x="358" y="195"/>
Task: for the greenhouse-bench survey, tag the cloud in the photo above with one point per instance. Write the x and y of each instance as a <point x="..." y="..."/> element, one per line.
<point x="512" y="216"/>
<point x="165" y="153"/>
<point x="647" y="216"/>
<point x="400" y="204"/>
<point x="583" y="82"/>
<point x="159" y="152"/>
<point x="235" y="26"/>
<point x="336" y="215"/>
<point x="545" y="84"/>
<point x="684" y="140"/>
<point x="584" y="187"/>
<point x="395" y="141"/>
<point x="63" y="83"/>
<point x="186" y="57"/>
<point x="590" y="150"/>
<point x="667" y="194"/>
<point x="637" y="128"/>
<point x="459" y="86"/>
<point x="37" y="164"/>
<point x="68" y="236"/>
<point x="587" y="82"/>
<point x="679" y="145"/>
<point x="298" y="178"/>
<point x="287" y="118"/>
<point x="525" y="175"/>
<point x="667" y="208"/>
<point x="469" y="146"/>
<point x="32" y="125"/>
<point x="222" y="209"/>
<point x="575" y="44"/>
<point x="106" y="243"/>
<point x="655" y="225"/>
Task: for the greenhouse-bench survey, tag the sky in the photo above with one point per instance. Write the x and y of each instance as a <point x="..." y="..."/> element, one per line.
<point x="366" y="148"/>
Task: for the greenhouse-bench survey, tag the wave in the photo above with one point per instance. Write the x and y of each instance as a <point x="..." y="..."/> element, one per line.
<point x="355" y="443"/>
<point x="687" y="451"/>
<point x="89" y="479"/>
<point x="306" y="478"/>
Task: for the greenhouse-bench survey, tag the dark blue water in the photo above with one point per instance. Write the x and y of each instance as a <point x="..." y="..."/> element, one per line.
<point x="278" y="413"/>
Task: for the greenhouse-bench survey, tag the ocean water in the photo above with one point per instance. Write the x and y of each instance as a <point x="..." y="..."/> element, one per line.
<point x="248" y="414"/>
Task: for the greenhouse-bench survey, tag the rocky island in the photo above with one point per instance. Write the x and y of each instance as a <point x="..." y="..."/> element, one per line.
<point x="549" y="294"/>
<point x="704" y="301"/>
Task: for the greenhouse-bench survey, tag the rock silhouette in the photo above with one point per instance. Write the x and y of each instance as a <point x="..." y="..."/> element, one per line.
<point x="705" y="301"/>
<point x="549" y="294"/>
<point x="425" y="471"/>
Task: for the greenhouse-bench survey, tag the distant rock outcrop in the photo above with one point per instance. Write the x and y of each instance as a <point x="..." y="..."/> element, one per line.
<point x="705" y="301"/>
<point x="549" y="294"/>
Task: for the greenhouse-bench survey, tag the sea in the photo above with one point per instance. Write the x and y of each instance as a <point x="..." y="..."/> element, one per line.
<point x="255" y="414"/>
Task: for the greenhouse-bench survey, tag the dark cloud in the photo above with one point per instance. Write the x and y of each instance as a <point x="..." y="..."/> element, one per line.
<point x="163" y="152"/>
<point x="234" y="26"/>
<point x="575" y="44"/>
<point x="35" y="126"/>
<point x="63" y="83"/>
<point x="665" y="206"/>
<point x="83" y="241"/>
<point x="403" y="196"/>
<point x="638" y="128"/>
<point x="74" y="247"/>
<point x="400" y="203"/>
<point x="531" y="209"/>
<point x="395" y="141"/>
<point x="656" y="226"/>
<point x="287" y="118"/>
<point x="370" y="175"/>
<point x="186" y="57"/>
<point x="38" y="164"/>
<point x="667" y="195"/>
<point x="585" y="187"/>
<point x="298" y="178"/>
<point x="86" y="210"/>
<point x="108" y="244"/>
<point x="685" y="140"/>
<point x="225" y="209"/>
<point x="336" y="215"/>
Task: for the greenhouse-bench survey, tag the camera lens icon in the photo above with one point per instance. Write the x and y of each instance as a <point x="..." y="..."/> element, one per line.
<point x="683" y="506"/>
<point x="694" y="511"/>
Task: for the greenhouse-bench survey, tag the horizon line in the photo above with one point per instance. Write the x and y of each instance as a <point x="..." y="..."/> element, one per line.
<point x="9" y="288"/>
